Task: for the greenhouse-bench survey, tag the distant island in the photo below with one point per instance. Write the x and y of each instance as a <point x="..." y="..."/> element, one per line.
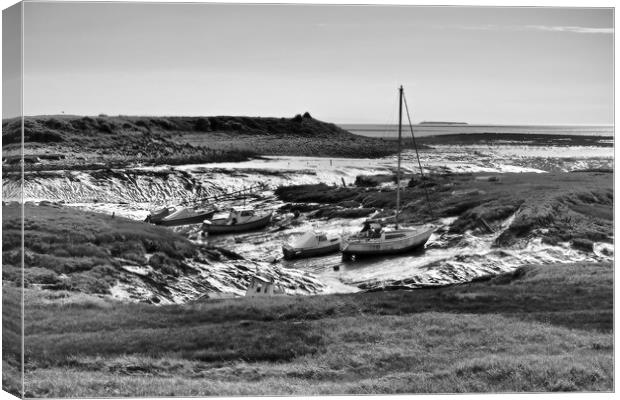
<point x="442" y="123"/>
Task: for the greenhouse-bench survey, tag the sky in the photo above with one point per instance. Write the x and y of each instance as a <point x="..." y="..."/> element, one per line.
<point x="11" y="61"/>
<point x="342" y="64"/>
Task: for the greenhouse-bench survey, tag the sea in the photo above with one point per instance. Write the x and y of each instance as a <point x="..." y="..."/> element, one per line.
<point x="421" y="130"/>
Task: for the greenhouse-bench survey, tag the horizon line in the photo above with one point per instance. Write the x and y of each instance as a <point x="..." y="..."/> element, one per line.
<point x="430" y="122"/>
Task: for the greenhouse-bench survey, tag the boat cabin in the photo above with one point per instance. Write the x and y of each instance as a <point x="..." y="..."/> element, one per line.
<point x="158" y="215"/>
<point x="312" y="239"/>
<point x="240" y="215"/>
<point x="167" y="210"/>
<point x="264" y="287"/>
<point x="372" y="229"/>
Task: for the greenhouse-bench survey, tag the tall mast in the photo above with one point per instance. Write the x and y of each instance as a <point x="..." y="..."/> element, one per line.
<point x="400" y="127"/>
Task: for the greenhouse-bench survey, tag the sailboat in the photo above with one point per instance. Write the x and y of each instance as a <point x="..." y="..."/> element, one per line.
<point x="374" y="239"/>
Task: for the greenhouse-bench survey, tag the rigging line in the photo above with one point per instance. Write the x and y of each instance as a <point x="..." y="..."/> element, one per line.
<point x="390" y="123"/>
<point x="415" y="146"/>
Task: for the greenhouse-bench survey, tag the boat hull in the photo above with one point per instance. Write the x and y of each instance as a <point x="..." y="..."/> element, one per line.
<point x="157" y="217"/>
<point x="370" y="247"/>
<point x="220" y="228"/>
<point x="194" y="219"/>
<point x="291" y="253"/>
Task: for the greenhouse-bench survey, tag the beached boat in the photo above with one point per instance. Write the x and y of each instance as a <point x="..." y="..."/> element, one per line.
<point x="374" y="239"/>
<point x="172" y="216"/>
<point x="385" y="241"/>
<point x="156" y="216"/>
<point x="311" y="244"/>
<point x="186" y="216"/>
<point x="239" y="219"/>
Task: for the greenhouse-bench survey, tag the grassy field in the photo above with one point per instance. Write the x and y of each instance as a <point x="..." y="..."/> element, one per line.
<point x="541" y="328"/>
<point x="11" y="324"/>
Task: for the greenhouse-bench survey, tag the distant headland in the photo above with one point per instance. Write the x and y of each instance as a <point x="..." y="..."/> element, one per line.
<point x="70" y="141"/>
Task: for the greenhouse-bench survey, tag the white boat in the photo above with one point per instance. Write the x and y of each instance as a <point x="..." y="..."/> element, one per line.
<point x="174" y="217"/>
<point x="374" y="239"/>
<point x="386" y="242"/>
<point x="311" y="244"/>
<point x="239" y="219"/>
<point x="156" y="216"/>
<point x="200" y="211"/>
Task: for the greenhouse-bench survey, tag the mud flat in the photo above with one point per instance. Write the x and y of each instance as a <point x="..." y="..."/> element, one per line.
<point x="487" y="225"/>
<point x="530" y="139"/>
<point x="72" y="251"/>
<point x="489" y="221"/>
<point x="556" y="206"/>
<point x="132" y="189"/>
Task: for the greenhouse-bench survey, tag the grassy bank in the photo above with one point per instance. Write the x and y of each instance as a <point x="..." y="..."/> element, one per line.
<point x="301" y="135"/>
<point x="542" y="328"/>
<point x="84" y="251"/>
<point x="75" y="142"/>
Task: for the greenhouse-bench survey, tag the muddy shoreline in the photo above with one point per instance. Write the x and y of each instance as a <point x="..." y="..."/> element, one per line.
<point x="496" y="207"/>
<point x="487" y="225"/>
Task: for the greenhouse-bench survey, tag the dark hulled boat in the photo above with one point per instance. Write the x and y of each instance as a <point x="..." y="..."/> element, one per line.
<point x="238" y="220"/>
